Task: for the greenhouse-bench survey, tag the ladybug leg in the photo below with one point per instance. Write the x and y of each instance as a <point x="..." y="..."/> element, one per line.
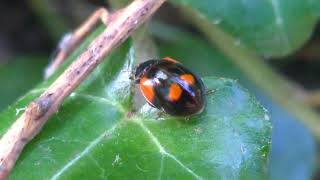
<point x="71" y="40"/>
<point x="187" y="119"/>
<point x="131" y="77"/>
<point x="210" y="91"/>
<point x="160" y="114"/>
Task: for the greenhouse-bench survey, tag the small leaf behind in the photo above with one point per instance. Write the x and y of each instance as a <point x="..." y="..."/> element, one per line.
<point x="272" y="28"/>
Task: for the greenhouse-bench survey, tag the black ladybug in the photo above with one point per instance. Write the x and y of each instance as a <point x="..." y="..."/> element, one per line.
<point x="171" y="87"/>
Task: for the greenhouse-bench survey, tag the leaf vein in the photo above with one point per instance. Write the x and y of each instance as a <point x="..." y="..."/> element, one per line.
<point x="163" y="151"/>
<point x="101" y="99"/>
<point x="88" y="96"/>
<point x="161" y="167"/>
<point x="103" y="171"/>
<point x="85" y="152"/>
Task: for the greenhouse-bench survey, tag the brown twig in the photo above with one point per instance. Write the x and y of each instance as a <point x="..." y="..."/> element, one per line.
<point x="29" y="124"/>
<point x="71" y="40"/>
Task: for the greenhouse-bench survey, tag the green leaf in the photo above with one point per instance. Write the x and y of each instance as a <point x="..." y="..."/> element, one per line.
<point x="91" y="138"/>
<point x="272" y="28"/>
<point x="97" y="135"/>
<point x="285" y="158"/>
<point x="230" y="139"/>
<point x="18" y="76"/>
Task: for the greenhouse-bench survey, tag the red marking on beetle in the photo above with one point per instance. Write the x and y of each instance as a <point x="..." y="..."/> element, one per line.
<point x="175" y="92"/>
<point x="146" y="87"/>
<point x="171" y="59"/>
<point x="188" y="78"/>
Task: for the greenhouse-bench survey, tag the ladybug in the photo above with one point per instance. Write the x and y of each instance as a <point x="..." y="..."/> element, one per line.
<point x="169" y="86"/>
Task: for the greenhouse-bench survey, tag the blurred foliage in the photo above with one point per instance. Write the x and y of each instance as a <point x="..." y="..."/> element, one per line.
<point x="18" y="76"/>
<point x="272" y="28"/>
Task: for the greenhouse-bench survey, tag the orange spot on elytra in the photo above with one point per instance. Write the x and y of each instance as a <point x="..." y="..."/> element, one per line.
<point x="146" y="87"/>
<point x="175" y="92"/>
<point x="170" y="59"/>
<point x="187" y="78"/>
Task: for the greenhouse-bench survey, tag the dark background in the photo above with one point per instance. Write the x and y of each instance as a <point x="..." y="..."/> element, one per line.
<point x="24" y="31"/>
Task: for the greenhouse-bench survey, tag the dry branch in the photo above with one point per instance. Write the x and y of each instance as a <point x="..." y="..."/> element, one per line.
<point x="29" y="124"/>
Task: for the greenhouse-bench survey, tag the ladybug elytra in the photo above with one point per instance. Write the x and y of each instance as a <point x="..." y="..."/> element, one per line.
<point x="170" y="87"/>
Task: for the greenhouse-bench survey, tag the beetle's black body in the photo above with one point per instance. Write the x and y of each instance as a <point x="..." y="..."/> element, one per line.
<point x="171" y="87"/>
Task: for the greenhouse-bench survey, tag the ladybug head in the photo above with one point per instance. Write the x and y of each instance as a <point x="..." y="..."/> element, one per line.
<point x="142" y="69"/>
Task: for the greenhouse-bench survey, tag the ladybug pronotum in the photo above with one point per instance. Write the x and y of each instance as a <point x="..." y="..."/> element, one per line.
<point x="170" y="87"/>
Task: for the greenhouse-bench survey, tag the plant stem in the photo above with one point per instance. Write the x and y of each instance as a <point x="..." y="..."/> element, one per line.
<point x="254" y="67"/>
<point x="122" y="23"/>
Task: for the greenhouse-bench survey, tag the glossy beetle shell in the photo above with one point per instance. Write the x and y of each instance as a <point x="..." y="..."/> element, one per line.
<point x="171" y="87"/>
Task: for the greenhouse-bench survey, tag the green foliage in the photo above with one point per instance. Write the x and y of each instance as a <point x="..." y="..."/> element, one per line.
<point x="272" y="28"/>
<point x="99" y="133"/>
